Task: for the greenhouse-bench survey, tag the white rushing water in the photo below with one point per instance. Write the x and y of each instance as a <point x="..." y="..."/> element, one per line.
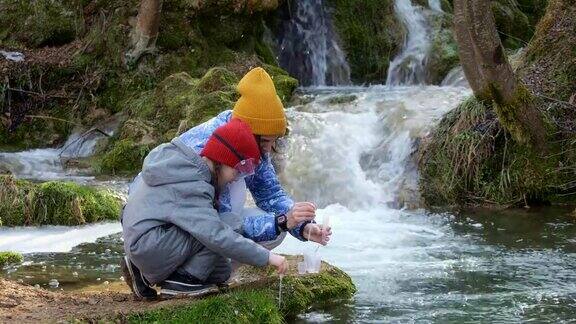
<point x="355" y="161"/>
<point x="308" y="47"/>
<point x="48" y="163"/>
<point x="409" y="67"/>
<point x="53" y="238"/>
<point x="435" y="5"/>
<point x="455" y="78"/>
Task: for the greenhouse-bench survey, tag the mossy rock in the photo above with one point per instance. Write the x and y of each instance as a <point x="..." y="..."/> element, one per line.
<point x="139" y="131"/>
<point x="371" y="35"/>
<point x="241" y="307"/>
<point x="283" y="82"/>
<point x="180" y="96"/>
<point x="254" y="297"/>
<point x="443" y="52"/>
<point x="209" y="105"/>
<point x="217" y="79"/>
<point x="125" y="157"/>
<point x="515" y="19"/>
<point x="54" y="203"/>
<point x="342" y="99"/>
<point x="39" y="23"/>
<point x="91" y="74"/>
<point x="7" y="258"/>
<point x="260" y="304"/>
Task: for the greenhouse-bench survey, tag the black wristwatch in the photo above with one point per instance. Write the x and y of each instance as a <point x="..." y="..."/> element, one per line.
<point x="281" y="223"/>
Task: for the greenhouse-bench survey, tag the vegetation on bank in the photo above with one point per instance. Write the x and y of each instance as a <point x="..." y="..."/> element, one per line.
<point x="23" y="203"/>
<point x="75" y="71"/>
<point x="470" y="159"/>
<point x="260" y="304"/>
<point x="7" y="258"/>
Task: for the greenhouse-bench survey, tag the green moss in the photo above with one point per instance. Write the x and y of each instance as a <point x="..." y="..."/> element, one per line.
<point x="54" y="203"/>
<point x="283" y="82"/>
<point x="534" y="9"/>
<point x="371" y="35"/>
<point x="16" y="201"/>
<point x="341" y="99"/>
<point x="241" y="307"/>
<point x="265" y="53"/>
<point x="7" y="258"/>
<point x="217" y="79"/>
<point x="443" y="52"/>
<point x="512" y="24"/>
<point x="139" y="131"/>
<point x="302" y="292"/>
<point x="258" y="303"/>
<point x="207" y="106"/>
<point x="39" y="23"/>
<point x="471" y="160"/>
<point x="550" y="61"/>
<point x="124" y="157"/>
<point x="41" y="123"/>
<point x="194" y="37"/>
<point x="509" y="115"/>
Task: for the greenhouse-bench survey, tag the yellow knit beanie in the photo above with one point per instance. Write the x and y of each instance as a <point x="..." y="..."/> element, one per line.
<point x="259" y="105"/>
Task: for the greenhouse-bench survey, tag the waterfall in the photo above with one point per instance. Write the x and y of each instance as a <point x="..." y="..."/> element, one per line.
<point x="435" y="5"/>
<point x="308" y="47"/>
<point x="357" y="152"/>
<point x="409" y="67"/>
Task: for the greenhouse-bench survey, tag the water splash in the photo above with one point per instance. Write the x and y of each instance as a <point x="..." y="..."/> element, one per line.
<point x="435" y="5"/>
<point x="455" y="78"/>
<point x="359" y="153"/>
<point x="409" y="67"/>
<point x="32" y="239"/>
<point x="48" y="163"/>
<point x="307" y="45"/>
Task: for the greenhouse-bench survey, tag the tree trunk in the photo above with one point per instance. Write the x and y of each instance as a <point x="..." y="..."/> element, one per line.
<point x="490" y="75"/>
<point x="145" y="33"/>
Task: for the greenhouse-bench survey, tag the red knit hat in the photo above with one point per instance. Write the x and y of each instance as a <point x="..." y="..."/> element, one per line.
<point x="238" y="135"/>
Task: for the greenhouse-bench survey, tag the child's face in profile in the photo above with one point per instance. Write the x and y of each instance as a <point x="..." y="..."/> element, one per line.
<point x="227" y="175"/>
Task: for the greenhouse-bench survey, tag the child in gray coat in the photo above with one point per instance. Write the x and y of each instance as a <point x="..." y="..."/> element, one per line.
<point x="173" y="234"/>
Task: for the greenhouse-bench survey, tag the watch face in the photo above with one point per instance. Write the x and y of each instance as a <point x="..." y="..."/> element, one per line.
<point x="282" y="218"/>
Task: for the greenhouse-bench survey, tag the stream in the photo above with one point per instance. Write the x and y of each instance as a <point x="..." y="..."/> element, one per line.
<point x="351" y="151"/>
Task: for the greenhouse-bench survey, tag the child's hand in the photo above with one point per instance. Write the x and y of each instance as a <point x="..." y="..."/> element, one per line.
<point x="279" y="262"/>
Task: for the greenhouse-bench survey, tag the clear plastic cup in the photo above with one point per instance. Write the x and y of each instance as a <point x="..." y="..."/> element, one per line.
<point x="301" y="268"/>
<point x="313" y="262"/>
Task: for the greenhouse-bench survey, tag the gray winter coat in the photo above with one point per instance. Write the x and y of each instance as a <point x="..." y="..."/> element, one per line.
<point x="174" y="188"/>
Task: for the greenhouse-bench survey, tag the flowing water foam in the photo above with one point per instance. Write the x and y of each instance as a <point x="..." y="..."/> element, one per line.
<point x="409" y="67"/>
<point x="308" y="46"/>
<point x="48" y="163"/>
<point x="53" y="238"/>
<point x="355" y="161"/>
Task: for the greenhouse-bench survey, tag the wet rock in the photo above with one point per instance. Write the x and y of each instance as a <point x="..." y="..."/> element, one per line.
<point x="53" y="283"/>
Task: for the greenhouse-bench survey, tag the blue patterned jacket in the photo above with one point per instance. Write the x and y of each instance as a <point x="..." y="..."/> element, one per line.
<point x="264" y="186"/>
